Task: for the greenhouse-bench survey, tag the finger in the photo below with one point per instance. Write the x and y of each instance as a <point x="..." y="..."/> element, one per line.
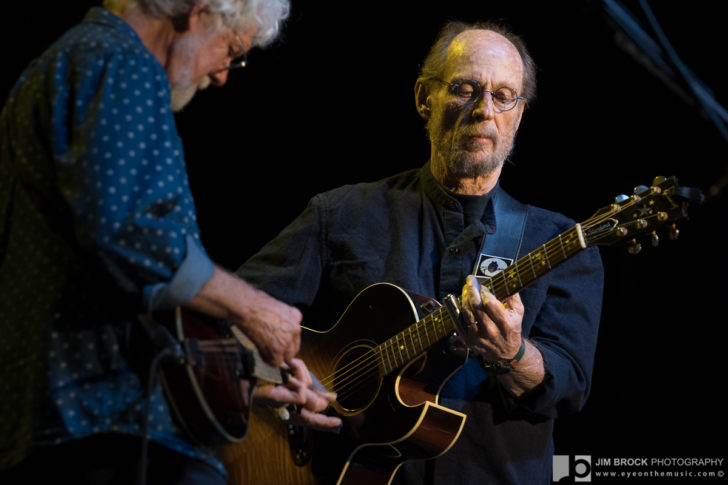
<point x="487" y="297"/>
<point x="468" y="319"/>
<point x="316" y="401"/>
<point x="515" y="304"/>
<point x="275" y="395"/>
<point x="485" y="327"/>
<point x="301" y="372"/>
<point x="296" y="390"/>
<point x="318" y="421"/>
<point x="470" y="293"/>
<point x="291" y="350"/>
<point x="496" y="312"/>
<point x="272" y="357"/>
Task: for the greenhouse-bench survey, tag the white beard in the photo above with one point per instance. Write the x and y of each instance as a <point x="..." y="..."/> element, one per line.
<point x="181" y="95"/>
<point x="466" y="160"/>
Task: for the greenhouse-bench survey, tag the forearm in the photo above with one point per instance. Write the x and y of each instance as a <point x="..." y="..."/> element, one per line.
<point x="273" y="326"/>
<point x="224" y="296"/>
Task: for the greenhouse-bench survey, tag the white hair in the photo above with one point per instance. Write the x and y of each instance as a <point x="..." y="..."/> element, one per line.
<point x="267" y="15"/>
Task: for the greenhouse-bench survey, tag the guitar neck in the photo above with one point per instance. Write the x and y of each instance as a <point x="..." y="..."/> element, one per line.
<point x="536" y="264"/>
<point x="414" y="340"/>
<point x="420" y="336"/>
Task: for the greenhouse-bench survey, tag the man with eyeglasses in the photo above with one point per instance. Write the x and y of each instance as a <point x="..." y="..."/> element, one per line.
<point x="98" y="225"/>
<point x="429" y="231"/>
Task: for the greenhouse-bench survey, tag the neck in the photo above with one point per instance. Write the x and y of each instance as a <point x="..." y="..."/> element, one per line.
<point x="479" y="185"/>
<point x="156" y="34"/>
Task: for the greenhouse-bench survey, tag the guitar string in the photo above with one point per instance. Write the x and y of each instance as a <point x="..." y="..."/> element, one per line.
<point x="372" y="357"/>
<point x="347" y="376"/>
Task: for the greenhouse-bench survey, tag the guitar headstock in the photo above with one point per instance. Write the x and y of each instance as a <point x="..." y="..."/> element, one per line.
<point x="661" y="205"/>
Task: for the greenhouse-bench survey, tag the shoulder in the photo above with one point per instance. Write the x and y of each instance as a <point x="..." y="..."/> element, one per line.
<point x="539" y="219"/>
<point x="541" y="224"/>
<point x="102" y="49"/>
<point x="379" y="190"/>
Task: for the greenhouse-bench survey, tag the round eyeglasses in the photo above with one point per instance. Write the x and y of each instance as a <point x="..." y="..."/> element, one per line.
<point x="505" y="98"/>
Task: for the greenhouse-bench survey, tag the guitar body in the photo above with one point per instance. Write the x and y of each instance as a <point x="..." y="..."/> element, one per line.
<point x="389" y="418"/>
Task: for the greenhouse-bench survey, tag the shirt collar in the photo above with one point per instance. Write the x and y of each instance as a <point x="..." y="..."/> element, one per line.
<point x="442" y="199"/>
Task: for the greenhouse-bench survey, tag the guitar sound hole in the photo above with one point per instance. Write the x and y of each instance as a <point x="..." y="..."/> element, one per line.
<point x="357" y="380"/>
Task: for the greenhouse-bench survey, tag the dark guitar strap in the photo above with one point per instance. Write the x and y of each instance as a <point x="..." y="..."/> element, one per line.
<point x="501" y="248"/>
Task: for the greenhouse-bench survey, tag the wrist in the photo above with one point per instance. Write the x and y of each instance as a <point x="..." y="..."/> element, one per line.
<point x="503" y="367"/>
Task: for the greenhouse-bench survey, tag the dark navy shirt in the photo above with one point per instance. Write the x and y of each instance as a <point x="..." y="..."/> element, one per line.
<point x="98" y="225"/>
<point x="408" y="230"/>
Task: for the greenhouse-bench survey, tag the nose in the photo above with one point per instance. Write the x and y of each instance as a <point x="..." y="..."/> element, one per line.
<point x="484" y="107"/>
<point x="219" y="78"/>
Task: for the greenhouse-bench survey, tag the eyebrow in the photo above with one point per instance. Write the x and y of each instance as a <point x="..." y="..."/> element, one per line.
<point x="458" y="80"/>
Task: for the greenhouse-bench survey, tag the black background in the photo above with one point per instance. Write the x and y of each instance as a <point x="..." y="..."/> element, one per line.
<point x="332" y="102"/>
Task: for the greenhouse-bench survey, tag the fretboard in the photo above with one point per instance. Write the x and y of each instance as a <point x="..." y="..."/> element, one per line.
<point x="414" y="340"/>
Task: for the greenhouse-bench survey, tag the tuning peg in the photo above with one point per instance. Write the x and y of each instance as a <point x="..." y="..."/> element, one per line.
<point x="640" y="189"/>
<point x="658" y="180"/>
<point x="674" y="232"/>
<point x="654" y="239"/>
<point x="621" y="198"/>
<point x="634" y="247"/>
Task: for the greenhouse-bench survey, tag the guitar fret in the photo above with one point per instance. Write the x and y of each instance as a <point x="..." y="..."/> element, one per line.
<point x="391" y="356"/>
<point x="546" y="256"/>
<point x="427" y="336"/>
<point x="401" y="347"/>
<point x="561" y="245"/>
<point x="414" y="349"/>
<point x="533" y="268"/>
<point x="390" y="347"/>
<point x="384" y="364"/>
<point x="502" y="276"/>
<point x="445" y="330"/>
<point x="518" y="275"/>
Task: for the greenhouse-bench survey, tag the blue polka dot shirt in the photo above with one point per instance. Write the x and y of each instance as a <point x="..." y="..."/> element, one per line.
<point x="97" y="225"/>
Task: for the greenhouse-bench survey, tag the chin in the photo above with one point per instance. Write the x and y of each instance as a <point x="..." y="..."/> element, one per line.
<point x="471" y="165"/>
<point x="182" y="96"/>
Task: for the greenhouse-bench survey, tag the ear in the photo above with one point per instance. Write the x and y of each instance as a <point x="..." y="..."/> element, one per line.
<point x="422" y="99"/>
<point x="191" y="20"/>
